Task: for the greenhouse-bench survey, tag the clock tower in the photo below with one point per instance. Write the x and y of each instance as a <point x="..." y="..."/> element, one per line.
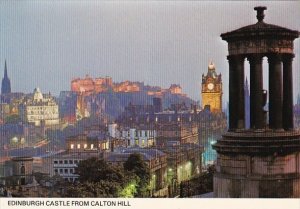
<point x="212" y="89"/>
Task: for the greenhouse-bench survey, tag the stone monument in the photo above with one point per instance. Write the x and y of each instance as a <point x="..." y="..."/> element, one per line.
<point x="263" y="160"/>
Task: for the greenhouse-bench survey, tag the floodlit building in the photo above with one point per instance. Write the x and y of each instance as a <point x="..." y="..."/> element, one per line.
<point x="40" y="109"/>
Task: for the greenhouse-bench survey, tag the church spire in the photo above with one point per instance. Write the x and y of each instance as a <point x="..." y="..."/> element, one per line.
<point x="5" y="70"/>
<point x="5" y="88"/>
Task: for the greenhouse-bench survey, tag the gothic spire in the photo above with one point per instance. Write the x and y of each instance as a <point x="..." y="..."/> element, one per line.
<point x="5" y="86"/>
<point x="5" y="70"/>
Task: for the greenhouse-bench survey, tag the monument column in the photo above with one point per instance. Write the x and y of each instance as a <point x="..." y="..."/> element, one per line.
<point x="232" y="94"/>
<point x="240" y="88"/>
<point x="236" y="92"/>
<point x="256" y="94"/>
<point x="287" y="110"/>
<point x="275" y="91"/>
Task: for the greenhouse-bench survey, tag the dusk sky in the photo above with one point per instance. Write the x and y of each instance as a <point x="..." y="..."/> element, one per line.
<point x="48" y="43"/>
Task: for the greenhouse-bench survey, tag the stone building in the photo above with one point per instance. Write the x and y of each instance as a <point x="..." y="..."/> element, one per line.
<point x="184" y="162"/>
<point x="89" y="85"/>
<point x="176" y="131"/>
<point x="212" y="89"/>
<point x="175" y="89"/>
<point x="262" y="161"/>
<point x="22" y="168"/>
<point x="65" y="163"/>
<point x="39" y="109"/>
<point x="84" y="142"/>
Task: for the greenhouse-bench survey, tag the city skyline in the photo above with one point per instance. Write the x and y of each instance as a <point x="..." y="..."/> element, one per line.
<point x="47" y="44"/>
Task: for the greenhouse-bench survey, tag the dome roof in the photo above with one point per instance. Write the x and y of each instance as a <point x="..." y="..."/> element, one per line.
<point x="37" y="94"/>
<point x="260" y="29"/>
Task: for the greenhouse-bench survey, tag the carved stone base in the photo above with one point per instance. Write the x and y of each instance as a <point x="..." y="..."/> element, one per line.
<point x="258" y="164"/>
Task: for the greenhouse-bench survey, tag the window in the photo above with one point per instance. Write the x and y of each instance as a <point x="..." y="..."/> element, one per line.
<point x="71" y="170"/>
<point x="66" y="171"/>
<point x="55" y="162"/>
<point x="72" y="146"/>
<point x="55" y="170"/>
<point x="78" y="146"/>
<point x="136" y="142"/>
<point x="60" y="162"/>
<point x="70" y="161"/>
<point x="92" y="146"/>
<point x="75" y="161"/>
<point x="65" y="162"/>
<point x="61" y="170"/>
<point x="85" y="146"/>
<point x="146" y="133"/>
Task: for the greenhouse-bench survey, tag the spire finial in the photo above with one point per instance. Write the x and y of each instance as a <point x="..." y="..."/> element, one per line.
<point x="211" y="65"/>
<point x="260" y="13"/>
<point x="246" y="82"/>
<point x="5" y="70"/>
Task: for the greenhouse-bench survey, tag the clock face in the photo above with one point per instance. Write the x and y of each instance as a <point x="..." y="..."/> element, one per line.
<point x="210" y="86"/>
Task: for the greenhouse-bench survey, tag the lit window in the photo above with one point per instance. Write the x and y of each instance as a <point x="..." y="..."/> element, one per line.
<point x="78" y="146"/>
<point x="92" y="146"/>
<point x="72" y="146"/>
<point x="85" y="146"/>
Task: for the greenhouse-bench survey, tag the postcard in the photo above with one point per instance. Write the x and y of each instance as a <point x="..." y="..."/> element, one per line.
<point x="139" y="104"/>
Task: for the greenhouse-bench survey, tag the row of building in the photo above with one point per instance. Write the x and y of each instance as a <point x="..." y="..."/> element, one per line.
<point x="170" y="141"/>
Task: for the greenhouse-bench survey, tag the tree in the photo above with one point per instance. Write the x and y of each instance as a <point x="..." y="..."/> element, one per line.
<point x="95" y="170"/>
<point x="136" y="165"/>
<point x="12" y="119"/>
<point x="99" y="179"/>
<point x="199" y="185"/>
<point x="94" y="189"/>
